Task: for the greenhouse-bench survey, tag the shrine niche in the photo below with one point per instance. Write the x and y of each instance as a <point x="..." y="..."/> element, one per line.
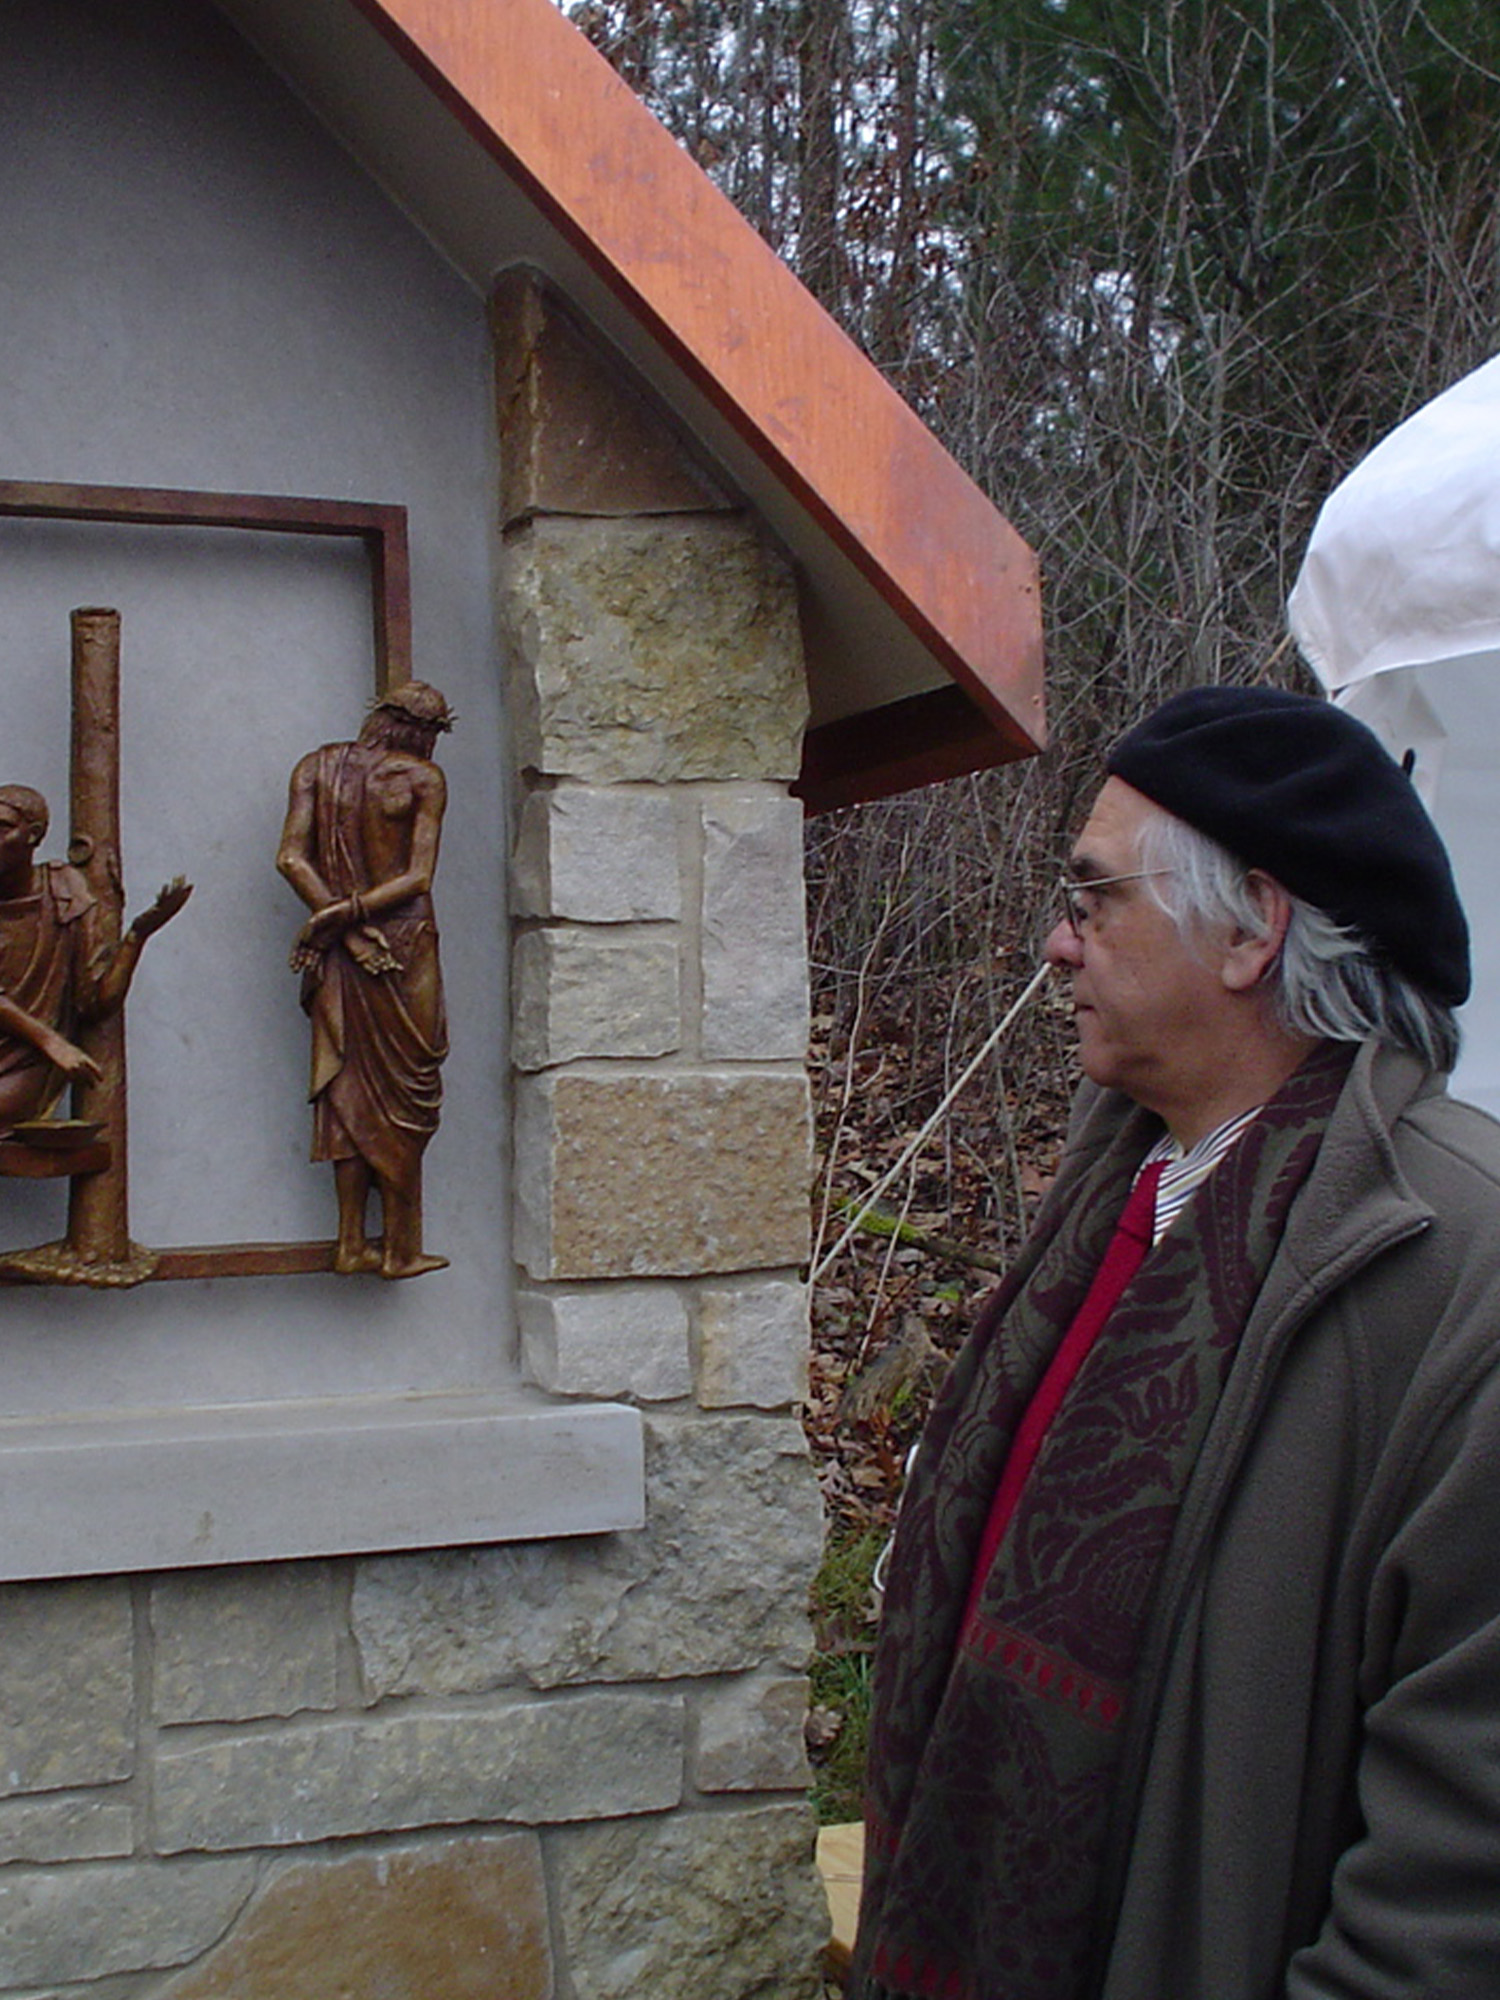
<point x="68" y="959"/>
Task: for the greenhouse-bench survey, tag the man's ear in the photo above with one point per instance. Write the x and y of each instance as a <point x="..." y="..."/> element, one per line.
<point x="1249" y="955"/>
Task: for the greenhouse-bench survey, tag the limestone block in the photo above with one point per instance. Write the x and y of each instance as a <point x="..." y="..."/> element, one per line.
<point x="242" y="1642"/>
<point x="716" y="1582"/>
<point x="750" y="1736"/>
<point x="312" y="1477"/>
<point x="66" y="1685"/>
<point x="461" y="1919"/>
<point x="577" y="436"/>
<point x="727" y="1904"/>
<point x="655" y="651"/>
<point x="597" y="992"/>
<point x="595" y="855"/>
<point x="91" y="1826"/>
<point x="61" y="1924"/>
<point x="607" y="1340"/>
<point x="754" y="1340"/>
<point x="754" y="934"/>
<point x="659" y="1173"/>
<point x="585" y="1757"/>
<point x="123" y="1986"/>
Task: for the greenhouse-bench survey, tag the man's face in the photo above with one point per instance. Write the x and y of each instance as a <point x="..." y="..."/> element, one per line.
<point x="1144" y="998"/>
<point x="17" y="845"/>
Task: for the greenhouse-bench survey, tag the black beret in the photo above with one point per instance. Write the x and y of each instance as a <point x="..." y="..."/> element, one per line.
<point x="1291" y="784"/>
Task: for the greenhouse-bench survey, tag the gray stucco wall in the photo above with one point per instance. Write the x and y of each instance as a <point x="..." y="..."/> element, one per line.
<point x="564" y="1769"/>
<point x="201" y="291"/>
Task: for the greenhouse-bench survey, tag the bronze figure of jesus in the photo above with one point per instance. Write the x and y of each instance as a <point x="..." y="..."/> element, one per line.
<point x="360" y="847"/>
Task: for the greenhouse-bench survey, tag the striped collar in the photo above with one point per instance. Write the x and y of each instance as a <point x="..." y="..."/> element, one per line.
<point x="1186" y="1170"/>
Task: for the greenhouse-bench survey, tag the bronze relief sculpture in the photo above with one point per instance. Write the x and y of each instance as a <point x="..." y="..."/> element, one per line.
<point x="360" y="847"/>
<point x="57" y="974"/>
<point x="67" y="960"/>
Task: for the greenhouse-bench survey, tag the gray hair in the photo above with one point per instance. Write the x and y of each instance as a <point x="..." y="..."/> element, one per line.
<point x="1329" y="981"/>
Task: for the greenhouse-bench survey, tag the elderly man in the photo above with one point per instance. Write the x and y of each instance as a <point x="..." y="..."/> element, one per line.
<point x="1189" y="1677"/>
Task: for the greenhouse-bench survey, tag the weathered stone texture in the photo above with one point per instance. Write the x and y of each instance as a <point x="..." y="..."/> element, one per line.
<point x="750" y="1736"/>
<point x="717" y="1581"/>
<point x="61" y="1924"/>
<point x="576" y="436"/>
<point x="610" y="1340"/>
<point x="89" y="1827"/>
<point x="596" y="855"/>
<point x="66" y="1685"/>
<point x="593" y="993"/>
<point x="236" y="1643"/>
<point x="659" y="1173"/>
<point x="461" y="1919"/>
<point x="653" y="651"/>
<point x="119" y="1986"/>
<point x="585" y="1757"/>
<point x="754" y="932"/>
<point x="721" y="1904"/>
<point x="754" y="1338"/>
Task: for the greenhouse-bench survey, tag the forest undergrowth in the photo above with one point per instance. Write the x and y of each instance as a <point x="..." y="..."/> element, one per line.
<point x="899" y="1011"/>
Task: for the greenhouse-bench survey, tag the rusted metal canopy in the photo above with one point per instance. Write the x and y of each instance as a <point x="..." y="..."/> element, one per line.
<point x="510" y="140"/>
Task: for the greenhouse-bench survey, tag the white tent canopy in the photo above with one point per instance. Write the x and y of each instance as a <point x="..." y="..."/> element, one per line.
<point x="1397" y="610"/>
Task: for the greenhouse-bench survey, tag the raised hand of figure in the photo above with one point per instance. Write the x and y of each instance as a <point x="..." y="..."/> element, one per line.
<point x="169" y="900"/>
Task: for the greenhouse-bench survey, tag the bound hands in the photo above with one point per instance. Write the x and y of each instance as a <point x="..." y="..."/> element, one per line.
<point x="365" y="944"/>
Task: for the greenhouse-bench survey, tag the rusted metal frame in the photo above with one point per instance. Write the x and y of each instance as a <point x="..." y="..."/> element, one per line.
<point x="381" y="528"/>
<point x="244" y="1260"/>
<point x="383" y="531"/>
<point x="915" y="741"/>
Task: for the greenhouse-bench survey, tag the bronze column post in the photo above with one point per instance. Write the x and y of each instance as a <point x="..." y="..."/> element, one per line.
<point x="98" y="1219"/>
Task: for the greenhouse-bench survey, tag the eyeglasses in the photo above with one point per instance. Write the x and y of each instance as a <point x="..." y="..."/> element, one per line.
<point x="1077" y="904"/>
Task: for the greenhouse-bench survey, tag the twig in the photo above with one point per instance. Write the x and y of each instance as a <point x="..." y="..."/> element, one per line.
<point x="889" y="1259"/>
<point x="850" y="1053"/>
<point x="1038" y="979"/>
<point x="876" y="1222"/>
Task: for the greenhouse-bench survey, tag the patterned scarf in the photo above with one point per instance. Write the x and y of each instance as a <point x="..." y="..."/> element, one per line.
<point x="996" y="1735"/>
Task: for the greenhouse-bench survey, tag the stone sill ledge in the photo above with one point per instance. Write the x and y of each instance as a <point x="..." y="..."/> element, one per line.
<point x="265" y="1482"/>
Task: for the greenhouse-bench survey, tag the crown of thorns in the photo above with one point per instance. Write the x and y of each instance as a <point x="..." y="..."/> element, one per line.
<point x="418" y="703"/>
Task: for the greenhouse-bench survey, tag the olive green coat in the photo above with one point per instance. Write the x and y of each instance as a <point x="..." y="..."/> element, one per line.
<point x="1310" y="1798"/>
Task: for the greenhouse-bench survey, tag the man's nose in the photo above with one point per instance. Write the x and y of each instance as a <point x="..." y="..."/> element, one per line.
<point x="1064" y="947"/>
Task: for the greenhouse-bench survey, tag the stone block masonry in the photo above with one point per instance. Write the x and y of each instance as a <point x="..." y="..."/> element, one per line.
<point x="571" y="1767"/>
<point x="636" y="1173"/>
<point x="662" y="1148"/>
<point x="655" y="651"/>
<point x="716" y="1582"/>
<point x="462" y="1918"/>
<point x="451" y="1724"/>
<point x="590" y="1756"/>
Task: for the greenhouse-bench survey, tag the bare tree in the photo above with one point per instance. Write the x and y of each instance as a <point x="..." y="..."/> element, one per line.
<point x="1158" y="272"/>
